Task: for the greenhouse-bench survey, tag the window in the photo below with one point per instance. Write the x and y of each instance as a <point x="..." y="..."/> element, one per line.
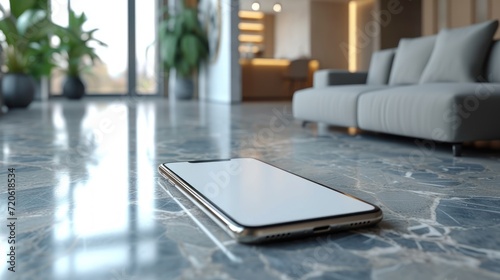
<point x="147" y="66"/>
<point x="5" y="4"/>
<point x="111" y="76"/>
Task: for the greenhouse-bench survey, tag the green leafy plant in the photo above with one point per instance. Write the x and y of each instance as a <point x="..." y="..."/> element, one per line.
<point x="75" y="45"/>
<point x="183" y="42"/>
<point x="27" y="30"/>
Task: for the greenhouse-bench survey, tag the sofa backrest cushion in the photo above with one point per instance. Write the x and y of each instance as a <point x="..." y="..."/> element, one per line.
<point x="410" y="60"/>
<point x="380" y="67"/>
<point x="459" y="54"/>
<point x="493" y="64"/>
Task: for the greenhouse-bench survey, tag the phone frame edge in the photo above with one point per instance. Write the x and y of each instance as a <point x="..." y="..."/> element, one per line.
<point x="246" y="234"/>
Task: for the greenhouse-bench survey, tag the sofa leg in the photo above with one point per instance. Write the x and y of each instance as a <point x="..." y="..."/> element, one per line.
<point x="457" y="149"/>
<point x="322" y="129"/>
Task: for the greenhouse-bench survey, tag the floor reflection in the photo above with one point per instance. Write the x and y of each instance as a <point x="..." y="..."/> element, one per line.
<point x="98" y="221"/>
<point x="146" y="169"/>
<point x="219" y="127"/>
<point x="91" y="207"/>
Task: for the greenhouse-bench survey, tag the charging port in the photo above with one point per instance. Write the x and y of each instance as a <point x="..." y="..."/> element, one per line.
<point x="321" y="229"/>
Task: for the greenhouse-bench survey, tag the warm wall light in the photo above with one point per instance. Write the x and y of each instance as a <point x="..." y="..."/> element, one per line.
<point x="247" y="49"/>
<point x="250" y="38"/>
<point x="270" y="62"/>
<point x="250" y="26"/>
<point x="251" y="15"/>
<point x="353" y="131"/>
<point x="277" y="7"/>
<point x="353" y="36"/>
<point x="314" y="65"/>
<point x="255" y="6"/>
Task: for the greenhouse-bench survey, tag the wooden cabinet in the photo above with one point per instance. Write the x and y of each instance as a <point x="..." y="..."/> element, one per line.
<point x="263" y="79"/>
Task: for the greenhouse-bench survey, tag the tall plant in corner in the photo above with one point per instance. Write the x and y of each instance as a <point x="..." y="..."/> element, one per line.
<point x="78" y="54"/>
<point x="183" y="46"/>
<point x="27" y="29"/>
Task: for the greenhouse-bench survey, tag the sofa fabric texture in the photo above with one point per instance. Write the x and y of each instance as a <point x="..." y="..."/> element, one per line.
<point x="324" y="78"/>
<point x="410" y="60"/>
<point x="442" y="88"/>
<point x="336" y="104"/>
<point x="443" y="112"/>
<point x="380" y="67"/>
<point x="459" y="54"/>
<point x="493" y="66"/>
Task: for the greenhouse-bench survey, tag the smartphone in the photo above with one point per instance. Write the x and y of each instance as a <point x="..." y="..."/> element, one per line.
<point x="254" y="201"/>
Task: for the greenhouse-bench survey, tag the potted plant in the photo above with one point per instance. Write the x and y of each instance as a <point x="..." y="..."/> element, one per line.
<point x="183" y="46"/>
<point x="26" y="29"/>
<point x="78" y="54"/>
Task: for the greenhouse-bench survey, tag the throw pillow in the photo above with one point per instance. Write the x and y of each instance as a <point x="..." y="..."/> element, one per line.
<point x="380" y="67"/>
<point x="459" y="53"/>
<point x="493" y="68"/>
<point x="410" y="60"/>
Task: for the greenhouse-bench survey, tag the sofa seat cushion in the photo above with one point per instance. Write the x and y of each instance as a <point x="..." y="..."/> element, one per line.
<point x="335" y="105"/>
<point x="447" y="112"/>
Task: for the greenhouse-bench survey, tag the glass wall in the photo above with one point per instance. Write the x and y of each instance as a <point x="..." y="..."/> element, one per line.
<point x="5" y="5"/>
<point x="6" y="9"/>
<point x="147" y="66"/>
<point x="111" y="76"/>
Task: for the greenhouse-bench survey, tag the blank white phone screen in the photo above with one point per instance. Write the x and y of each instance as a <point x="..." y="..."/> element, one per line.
<point x="256" y="194"/>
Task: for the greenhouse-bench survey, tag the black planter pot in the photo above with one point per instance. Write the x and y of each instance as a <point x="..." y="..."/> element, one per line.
<point x="184" y="88"/>
<point x="180" y="87"/>
<point x="73" y="88"/>
<point x="18" y="90"/>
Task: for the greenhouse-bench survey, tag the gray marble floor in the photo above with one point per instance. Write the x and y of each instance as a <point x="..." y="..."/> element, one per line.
<point x="90" y="204"/>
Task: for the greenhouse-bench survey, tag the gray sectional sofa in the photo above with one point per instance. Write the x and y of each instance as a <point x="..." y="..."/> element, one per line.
<point x="443" y="88"/>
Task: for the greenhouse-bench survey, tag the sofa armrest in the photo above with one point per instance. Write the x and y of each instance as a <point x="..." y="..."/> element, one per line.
<point x="330" y="77"/>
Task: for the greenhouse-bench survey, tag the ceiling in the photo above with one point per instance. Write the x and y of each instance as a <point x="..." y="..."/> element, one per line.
<point x="267" y="5"/>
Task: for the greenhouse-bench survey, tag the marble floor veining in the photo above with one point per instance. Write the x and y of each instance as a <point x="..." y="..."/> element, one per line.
<point x="89" y="203"/>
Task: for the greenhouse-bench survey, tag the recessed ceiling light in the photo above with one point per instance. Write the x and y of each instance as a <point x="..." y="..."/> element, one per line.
<point x="255" y="6"/>
<point x="277" y="7"/>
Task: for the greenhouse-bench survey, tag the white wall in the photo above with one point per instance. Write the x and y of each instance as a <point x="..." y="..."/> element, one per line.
<point x="220" y="80"/>
<point x="293" y="30"/>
